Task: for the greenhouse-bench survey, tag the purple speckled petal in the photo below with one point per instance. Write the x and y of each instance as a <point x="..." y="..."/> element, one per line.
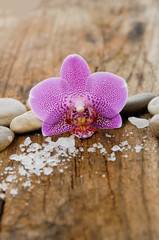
<point x="75" y="70"/>
<point x="107" y="123"/>
<point x="48" y="99"/>
<point x="108" y="93"/>
<point x="57" y="128"/>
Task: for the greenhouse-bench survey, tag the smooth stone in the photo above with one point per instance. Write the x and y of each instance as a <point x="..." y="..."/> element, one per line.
<point x="9" y="109"/>
<point x="26" y="122"/>
<point x="153" y="106"/>
<point x="137" y="104"/>
<point x="154" y="125"/>
<point x="6" y="137"/>
<point x="28" y="105"/>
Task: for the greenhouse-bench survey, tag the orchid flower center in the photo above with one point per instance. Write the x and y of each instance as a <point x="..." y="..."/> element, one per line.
<point x="81" y="116"/>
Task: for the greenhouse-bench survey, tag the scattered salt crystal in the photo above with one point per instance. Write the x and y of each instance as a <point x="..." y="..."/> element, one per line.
<point x="10" y="178"/>
<point x="27" y="141"/>
<point x="125" y="155"/>
<point x="124" y="143"/>
<point x="115" y="148"/>
<point x="91" y="149"/>
<point x="26" y="161"/>
<point x="37" y="172"/>
<point x="103" y="175"/>
<point x="139" y="122"/>
<point x="3" y="186"/>
<point x="34" y="147"/>
<point x="2" y="196"/>
<point x="41" y="159"/>
<point x="39" y="164"/>
<point x="8" y="169"/>
<point x="22" y="149"/>
<point x="112" y="157"/>
<point x="27" y="184"/>
<point x="47" y="170"/>
<point x="109" y="136"/>
<point x="99" y="145"/>
<point x="48" y="139"/>
<point x="15" y="157"/>
<point x="21" y="145"/>
<point x="103" y="151"/>
<point x="138" y="148"/>
<point x="81" y="149"/>
<point x="95" y="145"/>
<point x="45" y="154"/>
<point x="14" y="192"/>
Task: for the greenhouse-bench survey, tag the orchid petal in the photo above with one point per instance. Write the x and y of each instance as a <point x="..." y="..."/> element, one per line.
<point x="108" y="93"/>
<point x="106" y="123"/>
<point x="57" y="128"/>
<point x="48" y="99"/>
<point x="75" y="71"/>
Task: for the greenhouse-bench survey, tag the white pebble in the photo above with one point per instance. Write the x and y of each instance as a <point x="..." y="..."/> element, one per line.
<point x="6" y="137"/>
<point x="26" y="122"/>
<point x="154" y="125"/>
<point x="153" y="106"/>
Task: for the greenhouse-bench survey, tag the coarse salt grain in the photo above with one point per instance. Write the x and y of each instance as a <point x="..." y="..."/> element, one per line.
<point x="91" y="149"/>
<point x="2" y="196"/>
<point x="47" y="170"/>
<point x="103" y="175"/>
<point x="138" y="148"/>
<point x="139" y="122"/>
<point x="116" y="148"/>
<point x="124" y="143"/>
<point x="14" y="192"/>
<point x="10" y="178"/>
<point x="112" y="157"/>
<point x="27" y="141"/>
<point x="27" y="184"/>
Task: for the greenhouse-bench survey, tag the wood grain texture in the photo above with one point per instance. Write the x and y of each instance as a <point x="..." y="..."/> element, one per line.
<point x="114" y="36"/>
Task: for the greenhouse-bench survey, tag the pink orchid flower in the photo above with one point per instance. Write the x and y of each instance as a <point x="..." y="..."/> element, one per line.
<point x="79" y="101"/>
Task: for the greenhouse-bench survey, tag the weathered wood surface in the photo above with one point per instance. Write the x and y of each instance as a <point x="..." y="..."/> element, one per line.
<point x="116" y="36"/>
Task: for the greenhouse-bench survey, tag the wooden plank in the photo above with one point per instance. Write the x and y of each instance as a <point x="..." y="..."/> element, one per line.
<point x="116" y="36"/>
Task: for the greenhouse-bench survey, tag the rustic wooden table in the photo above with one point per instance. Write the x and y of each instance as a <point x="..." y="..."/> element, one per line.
<point x="93" y="199"/>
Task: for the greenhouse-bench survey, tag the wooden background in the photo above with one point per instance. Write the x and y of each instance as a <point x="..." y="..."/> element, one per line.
<point x="117" y="36"/>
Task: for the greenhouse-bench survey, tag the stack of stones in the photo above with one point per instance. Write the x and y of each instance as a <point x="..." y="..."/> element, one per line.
<point x="15" y="117"/>
<point x="141" y="103"/>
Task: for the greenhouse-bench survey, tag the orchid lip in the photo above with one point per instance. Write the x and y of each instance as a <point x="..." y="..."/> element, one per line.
<point x="81" y="117"/>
